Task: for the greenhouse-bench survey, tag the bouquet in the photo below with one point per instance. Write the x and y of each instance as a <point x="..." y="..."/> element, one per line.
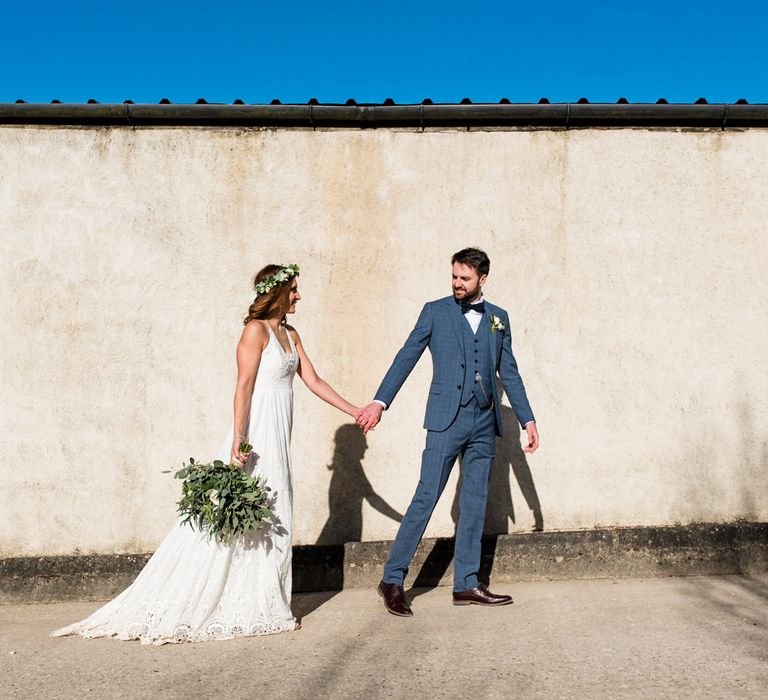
<point x="222" y="499"/>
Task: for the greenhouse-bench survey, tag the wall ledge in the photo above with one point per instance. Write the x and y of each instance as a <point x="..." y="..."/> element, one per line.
<point x="626" y="552"/>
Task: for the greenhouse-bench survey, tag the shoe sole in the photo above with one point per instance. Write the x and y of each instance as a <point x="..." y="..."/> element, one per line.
<point x="392" y="612"/>
<point x="485" y="605"/>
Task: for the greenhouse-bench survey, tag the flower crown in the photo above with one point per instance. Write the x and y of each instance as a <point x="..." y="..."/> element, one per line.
<point x="282" y="276"/>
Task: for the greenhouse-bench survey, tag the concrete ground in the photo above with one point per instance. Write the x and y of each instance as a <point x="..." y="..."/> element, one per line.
<point x="697" y="637"/>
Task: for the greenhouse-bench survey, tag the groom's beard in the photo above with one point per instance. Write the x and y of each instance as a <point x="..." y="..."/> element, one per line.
<point x="466" y="295"/>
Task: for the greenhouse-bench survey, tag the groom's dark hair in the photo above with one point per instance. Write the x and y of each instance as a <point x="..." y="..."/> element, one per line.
<point x="474" y="258"/>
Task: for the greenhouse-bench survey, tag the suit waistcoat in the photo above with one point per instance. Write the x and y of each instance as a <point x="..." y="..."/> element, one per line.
<point x="477" y="361"/>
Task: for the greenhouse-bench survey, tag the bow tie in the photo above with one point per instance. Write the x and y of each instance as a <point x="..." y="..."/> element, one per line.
<point x="466" y="306"/>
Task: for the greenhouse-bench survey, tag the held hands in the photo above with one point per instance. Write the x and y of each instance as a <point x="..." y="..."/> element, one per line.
<point x="368" y="418"/>
<point x="533" y="437"/>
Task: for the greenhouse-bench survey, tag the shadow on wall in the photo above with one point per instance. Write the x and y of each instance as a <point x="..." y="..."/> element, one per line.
<point x="509" y="458"/>
<point x="349" y="488"/>
<point x="320" y="567"/>
<point x="500" y="510"/>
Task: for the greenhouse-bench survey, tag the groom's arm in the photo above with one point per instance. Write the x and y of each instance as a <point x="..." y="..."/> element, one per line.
<point x="404" y="362"/>
<point x="511" y="379"/>
<point x="513" y="387"/>
<point x="406" y="359"/>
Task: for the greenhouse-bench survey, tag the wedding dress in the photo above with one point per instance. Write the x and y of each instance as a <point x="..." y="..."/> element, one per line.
<point x="193" y="589"/>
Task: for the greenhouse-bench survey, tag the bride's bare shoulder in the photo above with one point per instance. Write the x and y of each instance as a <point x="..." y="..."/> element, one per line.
<point x="255" y="333"/>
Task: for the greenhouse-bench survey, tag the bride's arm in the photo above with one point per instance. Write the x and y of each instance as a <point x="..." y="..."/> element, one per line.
<point x="319" y="387"/>
<point x="252" y="342"/>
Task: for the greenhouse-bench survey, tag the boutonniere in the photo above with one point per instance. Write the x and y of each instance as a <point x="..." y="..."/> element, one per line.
<point x="496" y="323"/>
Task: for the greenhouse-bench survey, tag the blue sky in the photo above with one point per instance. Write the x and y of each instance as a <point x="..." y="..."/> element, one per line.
<point x="258" y="51"/>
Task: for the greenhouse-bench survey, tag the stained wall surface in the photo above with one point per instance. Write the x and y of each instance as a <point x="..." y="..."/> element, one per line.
<point x="632" y="263"/>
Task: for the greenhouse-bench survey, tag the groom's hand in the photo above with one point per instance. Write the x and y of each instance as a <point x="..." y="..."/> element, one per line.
<point x="370" y="416"/>
<point x="533" y="437"/>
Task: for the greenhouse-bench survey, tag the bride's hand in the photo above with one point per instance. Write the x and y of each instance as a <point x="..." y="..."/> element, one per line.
<point x="235" y="456"/>
<point x="356" y="415"/>
<point x="370" y="416"/>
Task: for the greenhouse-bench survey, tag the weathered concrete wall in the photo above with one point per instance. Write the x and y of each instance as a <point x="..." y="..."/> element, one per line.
<point x="633" y="264"/>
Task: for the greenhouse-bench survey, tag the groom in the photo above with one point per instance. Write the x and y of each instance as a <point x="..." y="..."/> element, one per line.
<point x="469" y="341"/>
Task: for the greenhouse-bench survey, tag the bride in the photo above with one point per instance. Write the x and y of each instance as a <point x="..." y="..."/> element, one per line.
<point x="192" y="588"/>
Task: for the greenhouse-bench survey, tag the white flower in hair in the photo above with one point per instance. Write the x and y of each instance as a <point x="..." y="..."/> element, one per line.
<point x="282" y="276"/>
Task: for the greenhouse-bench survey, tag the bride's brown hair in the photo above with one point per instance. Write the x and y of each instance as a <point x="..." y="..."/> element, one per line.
<point x="271" y="304"/>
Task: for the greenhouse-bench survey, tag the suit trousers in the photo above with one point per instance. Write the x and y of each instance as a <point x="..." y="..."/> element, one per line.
<point x="472" y="438"/>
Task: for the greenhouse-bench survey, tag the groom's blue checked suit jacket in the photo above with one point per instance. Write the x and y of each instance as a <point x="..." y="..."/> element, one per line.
<point x="439" y="328"/>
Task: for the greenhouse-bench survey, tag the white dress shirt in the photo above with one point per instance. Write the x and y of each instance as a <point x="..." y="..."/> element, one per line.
<point x="473" y="317"/>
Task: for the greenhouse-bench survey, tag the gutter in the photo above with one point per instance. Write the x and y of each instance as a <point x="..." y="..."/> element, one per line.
<point x="352" y="115"/>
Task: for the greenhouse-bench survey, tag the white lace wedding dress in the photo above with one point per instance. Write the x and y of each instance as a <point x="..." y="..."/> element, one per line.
<point x="193" y="589"/>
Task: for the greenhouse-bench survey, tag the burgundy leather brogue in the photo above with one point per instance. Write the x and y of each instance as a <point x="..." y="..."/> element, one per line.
<point x="394" y="599"/>
<point x="480" y="596"/>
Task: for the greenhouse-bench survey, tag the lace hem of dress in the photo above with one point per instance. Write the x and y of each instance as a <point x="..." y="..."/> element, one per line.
<point x="146" y="633"/>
